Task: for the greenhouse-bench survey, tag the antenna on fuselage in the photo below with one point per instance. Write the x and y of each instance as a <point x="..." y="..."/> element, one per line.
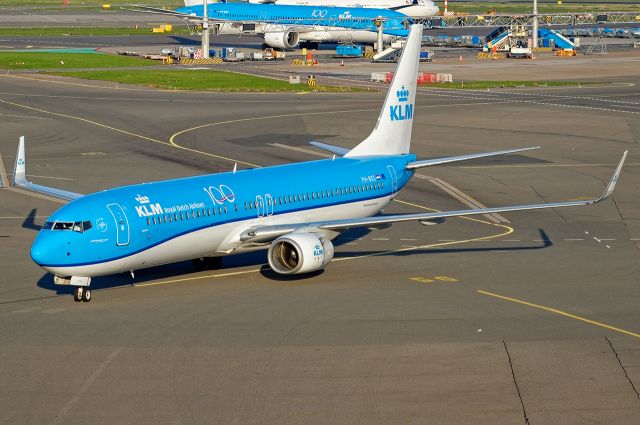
<point x="235" y="167"/>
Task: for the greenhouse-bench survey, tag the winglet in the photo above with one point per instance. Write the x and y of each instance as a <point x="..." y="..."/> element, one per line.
<point x="19" y="171"/>
<point x="614" y="179"/>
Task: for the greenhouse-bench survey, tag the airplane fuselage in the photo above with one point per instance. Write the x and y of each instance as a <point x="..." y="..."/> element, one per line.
<point x="419" y="9"/>
<point x="325" y="17"/>
<point x="150" y="224"/>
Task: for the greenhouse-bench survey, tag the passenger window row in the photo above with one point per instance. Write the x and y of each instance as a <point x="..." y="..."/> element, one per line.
<point x="189" y="215"/>
<point x="280" y="200"/>
<point x="287" y="199"/>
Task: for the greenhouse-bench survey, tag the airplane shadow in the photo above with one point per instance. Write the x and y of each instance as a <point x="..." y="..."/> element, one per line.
<point x="184" y="269"/>
<point x="30" y="221"/>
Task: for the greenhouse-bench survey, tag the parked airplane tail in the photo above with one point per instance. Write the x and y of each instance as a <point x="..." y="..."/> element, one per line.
<point x="392" y="133"/>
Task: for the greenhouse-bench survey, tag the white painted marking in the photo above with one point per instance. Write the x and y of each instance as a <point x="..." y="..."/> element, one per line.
<point x="25" y="116"/>
<point x="569" y="240"/>
<point x="379" y="239"/>
<point x="61" y="416"/>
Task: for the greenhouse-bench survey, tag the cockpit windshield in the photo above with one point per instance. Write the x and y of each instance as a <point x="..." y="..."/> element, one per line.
<point x="74" y="226"/>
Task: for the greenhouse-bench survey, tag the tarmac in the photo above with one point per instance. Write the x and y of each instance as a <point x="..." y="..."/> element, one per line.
<point x="527" y="317"/>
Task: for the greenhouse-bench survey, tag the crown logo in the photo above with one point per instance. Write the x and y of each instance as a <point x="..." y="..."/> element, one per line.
<point x="142" y="199"/>
<point x="403" y="94"/>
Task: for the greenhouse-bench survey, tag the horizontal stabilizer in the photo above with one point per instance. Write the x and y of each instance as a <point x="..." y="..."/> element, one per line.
<point x="438" y="161"/>
<point x="330" y="148"/>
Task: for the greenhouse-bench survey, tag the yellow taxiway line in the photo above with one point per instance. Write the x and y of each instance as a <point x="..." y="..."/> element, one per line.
<point x="561" y="313"/>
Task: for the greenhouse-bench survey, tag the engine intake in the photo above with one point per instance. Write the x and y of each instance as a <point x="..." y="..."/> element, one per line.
<point x="282" y="39"/>
<point x="298" y="253"/>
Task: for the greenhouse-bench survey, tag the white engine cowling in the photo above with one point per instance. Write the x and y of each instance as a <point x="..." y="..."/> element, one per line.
<point x="282" y="39"/>
<point x="300" y="253"/>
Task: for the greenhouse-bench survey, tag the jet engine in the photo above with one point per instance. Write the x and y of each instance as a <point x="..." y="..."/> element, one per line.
<point x="282" y="39"/>
<point x="297" y="253"/>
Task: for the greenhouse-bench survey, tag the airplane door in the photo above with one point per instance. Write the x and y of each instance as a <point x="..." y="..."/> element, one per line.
<point x="260" y="207"/>
<point x="394" y="177"/>
<point x="270" y="204"/>
<point x="122" y="224"/>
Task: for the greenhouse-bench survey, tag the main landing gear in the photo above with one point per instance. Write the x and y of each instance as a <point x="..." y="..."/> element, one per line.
<point x="82" y="293"/>
<point x="207" y="263"/>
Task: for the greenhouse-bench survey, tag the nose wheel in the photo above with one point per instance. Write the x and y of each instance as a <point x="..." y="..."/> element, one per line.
<point x="82" y="293"/>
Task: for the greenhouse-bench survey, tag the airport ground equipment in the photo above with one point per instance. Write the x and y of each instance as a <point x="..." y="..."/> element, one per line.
<point x="349" y="51"/>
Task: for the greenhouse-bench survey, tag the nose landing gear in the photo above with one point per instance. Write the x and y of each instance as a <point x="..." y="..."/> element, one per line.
<point x="82" y="293"/>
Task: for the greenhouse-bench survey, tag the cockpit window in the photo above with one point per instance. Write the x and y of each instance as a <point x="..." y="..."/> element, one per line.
<point x="77" y="226"/>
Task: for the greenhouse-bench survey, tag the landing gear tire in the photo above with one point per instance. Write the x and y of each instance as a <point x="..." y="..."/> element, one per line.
<point x="86" y="296"/>
<point x="78" y="294"/>
<point x="207" y="263"/>
<point x="198" y="264"/>
<point x="213" y="263"/>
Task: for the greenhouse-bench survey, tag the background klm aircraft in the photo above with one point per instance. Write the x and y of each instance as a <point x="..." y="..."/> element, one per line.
<point x="283" y="27"/>
<point x="276" y="208"/>
<point x="416" y="9"/>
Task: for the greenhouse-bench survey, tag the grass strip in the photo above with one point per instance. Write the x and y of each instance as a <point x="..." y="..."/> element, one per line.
<point x="199" y="79"/>
<point x="90" y="3"/>
<point x="477" y="85"/>
<point x="46" y="60"/>
<point x="84" y="31"/>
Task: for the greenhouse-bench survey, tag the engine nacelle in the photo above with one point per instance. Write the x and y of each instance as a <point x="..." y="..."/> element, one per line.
<point x="300" y="253"/>
<point x="282" y="39"/>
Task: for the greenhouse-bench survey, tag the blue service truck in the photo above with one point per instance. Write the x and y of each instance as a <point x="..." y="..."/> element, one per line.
<point x="349" y="51"/>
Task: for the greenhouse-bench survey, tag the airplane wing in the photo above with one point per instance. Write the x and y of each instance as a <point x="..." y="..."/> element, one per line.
<point x="259" y="234"/>
<point x="20" y="179"/>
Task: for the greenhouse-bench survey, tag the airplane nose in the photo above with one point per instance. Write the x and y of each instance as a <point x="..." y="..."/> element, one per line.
<point x="38" y="253"/>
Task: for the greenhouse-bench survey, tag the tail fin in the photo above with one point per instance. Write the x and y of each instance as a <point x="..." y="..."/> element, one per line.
<point x="392" y="133"/>
<point x="188" y="3"/>
<point x="19" y="171"/>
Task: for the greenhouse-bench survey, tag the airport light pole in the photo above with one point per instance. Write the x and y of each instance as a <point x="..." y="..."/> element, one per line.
<point x="380" y="41"/>
<point x="205" y="31"/>
<point x="534" y="36"/>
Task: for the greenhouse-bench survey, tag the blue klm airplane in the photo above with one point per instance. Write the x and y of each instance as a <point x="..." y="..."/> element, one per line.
<point x="284" y="27"/>
<point x="276" y="208"/>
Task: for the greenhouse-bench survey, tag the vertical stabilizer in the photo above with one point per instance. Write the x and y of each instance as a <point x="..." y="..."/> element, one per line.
<point x="19" y="171"/>
<point x="392" y="133"/>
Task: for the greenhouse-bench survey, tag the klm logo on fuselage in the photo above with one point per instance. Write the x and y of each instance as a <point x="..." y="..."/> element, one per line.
<point x="403" y="111"/>
<point x="149" y="210"/>
<point x="146" y="208"/>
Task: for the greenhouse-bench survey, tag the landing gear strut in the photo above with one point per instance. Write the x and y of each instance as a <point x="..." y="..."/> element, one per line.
<point x="82" y="293"/>
<point x="207" y="263"/>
